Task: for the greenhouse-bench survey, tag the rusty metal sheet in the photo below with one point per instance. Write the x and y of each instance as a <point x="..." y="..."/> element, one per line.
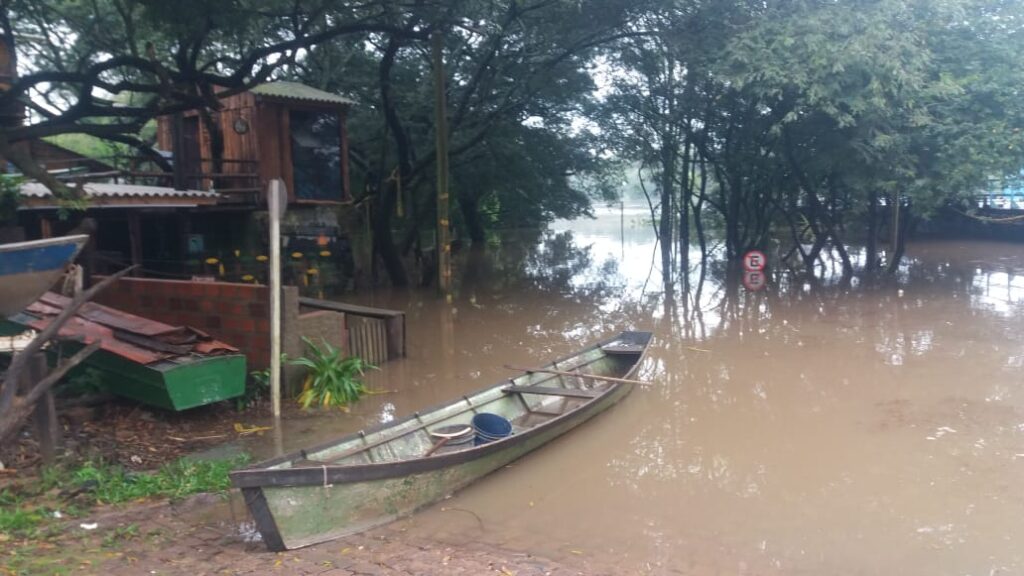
<point x="87" y="332"/>
<point x="132" y="337"/>
<point x="113" y="318"/>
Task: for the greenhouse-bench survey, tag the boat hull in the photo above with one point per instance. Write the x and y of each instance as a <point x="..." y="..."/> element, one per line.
<point x="178" y="386"/>
<point x="291" y="517"/>
<point x="28" y="269"/>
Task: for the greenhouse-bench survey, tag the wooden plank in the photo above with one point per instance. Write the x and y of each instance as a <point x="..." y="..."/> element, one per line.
<point x="353" y="309"/>
<point x="622" y="349"/>
<point x="552" y="391"/>
<point x="47" y="427"/>
<point x="576" y="375"/>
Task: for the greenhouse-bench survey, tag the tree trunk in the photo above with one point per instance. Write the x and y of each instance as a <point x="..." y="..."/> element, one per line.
<point x="871" y="244"/>
<point x="471" y="216"/>
<point x="900" y="224"/>
<point x="669" y="151"/>
<point x="685" y="193"/>
<point x="384" y="243"/>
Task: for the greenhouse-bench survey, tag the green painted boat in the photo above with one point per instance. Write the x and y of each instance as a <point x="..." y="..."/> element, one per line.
<point x="375" y="476"/>
<point x="171" y="367"/>
<point x="177" y="383"/>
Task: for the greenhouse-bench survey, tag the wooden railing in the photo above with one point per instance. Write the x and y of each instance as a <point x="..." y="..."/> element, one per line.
<point x="240" y="186"/>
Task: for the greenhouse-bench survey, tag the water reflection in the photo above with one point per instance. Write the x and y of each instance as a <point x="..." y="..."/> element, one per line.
<point x="811" y="428"/>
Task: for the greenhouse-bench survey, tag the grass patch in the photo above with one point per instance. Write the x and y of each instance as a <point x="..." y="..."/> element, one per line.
<point x="113" y="485"/>
<point x="29" y="512"/>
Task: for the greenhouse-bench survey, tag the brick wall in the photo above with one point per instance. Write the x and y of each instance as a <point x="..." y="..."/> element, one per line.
<point x="238" y="314"/>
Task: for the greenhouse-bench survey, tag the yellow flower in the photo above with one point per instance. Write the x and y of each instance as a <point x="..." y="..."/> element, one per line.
<point x="297" y="255"/>
<point x="325" y="253"/>
<point x="248" y="278"/>
<point x="237" y="252"/>
<point x="212" y="260"/>
<point x="312" y="271"/>
<point x="261" y="258"/>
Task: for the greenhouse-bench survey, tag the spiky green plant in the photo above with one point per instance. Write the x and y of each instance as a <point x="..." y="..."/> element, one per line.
<point x="333" y="380"/>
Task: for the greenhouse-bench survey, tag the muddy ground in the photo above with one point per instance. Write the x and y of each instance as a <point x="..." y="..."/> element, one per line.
<point x="200" y="536"/>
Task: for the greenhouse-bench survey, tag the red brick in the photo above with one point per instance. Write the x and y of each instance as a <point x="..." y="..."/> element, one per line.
<point x="228" y="308"/>
<point x="240" y="324"/>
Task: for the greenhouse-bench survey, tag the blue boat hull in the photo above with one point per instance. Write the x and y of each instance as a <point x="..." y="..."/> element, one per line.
<point x="28" y="269"/>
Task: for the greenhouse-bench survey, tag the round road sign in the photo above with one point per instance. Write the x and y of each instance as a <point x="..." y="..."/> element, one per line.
<point x="754" y="280"/>
<point x="755" y="260"/>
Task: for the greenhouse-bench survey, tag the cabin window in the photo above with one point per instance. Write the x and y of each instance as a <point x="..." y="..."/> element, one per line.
<point x="316" y="155"/>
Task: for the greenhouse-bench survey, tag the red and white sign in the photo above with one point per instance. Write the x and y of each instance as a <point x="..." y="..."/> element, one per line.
<point x="754" y="261"/>
<point x="754" y="280"/>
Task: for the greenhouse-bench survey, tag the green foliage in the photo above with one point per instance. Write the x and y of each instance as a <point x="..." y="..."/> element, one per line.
<point x="257" y="386"/>
<point x="332" y="380"/>
<point x="83" y="383"/>
<point x="19" y="519"/>
<point x="10" y="197"/>
<point x="31" y="511"/>
<point x="112" y="484"/>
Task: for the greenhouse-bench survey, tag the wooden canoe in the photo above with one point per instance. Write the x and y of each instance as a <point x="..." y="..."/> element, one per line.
<point x="374" y="476"/>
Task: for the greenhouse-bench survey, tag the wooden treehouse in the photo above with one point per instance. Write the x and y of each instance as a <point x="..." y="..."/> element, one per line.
<point x="276" y="130"/>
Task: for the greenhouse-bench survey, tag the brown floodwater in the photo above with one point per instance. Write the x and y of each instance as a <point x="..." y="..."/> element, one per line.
<point x="799" y="430"/>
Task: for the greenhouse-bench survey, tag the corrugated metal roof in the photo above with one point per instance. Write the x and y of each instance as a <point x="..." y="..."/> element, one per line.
<point x="297" y="91"/>
<point x="107" y="190"/>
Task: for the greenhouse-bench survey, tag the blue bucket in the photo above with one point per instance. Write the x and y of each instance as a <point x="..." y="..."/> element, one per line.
<point x="490" y="427"/>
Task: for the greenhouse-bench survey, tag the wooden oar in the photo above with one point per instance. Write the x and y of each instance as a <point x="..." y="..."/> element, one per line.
<point x="577" y="375"/>
<point x="445" y="436"/>
<point x="437" y="446"/>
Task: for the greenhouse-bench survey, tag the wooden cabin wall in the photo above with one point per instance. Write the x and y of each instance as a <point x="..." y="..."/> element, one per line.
<point x="266" y="145"/>
<point x="236" y="146"/>
<point x="274" y="143"/>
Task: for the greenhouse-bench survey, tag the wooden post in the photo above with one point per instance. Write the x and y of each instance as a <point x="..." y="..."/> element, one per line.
<point x="135" y="240"/>
<point x="45" y="227"/>
<point x="276" y="197"/>
<point x="44" y="417"/>
<point x="178" y="149"/>
<point x="444" y="267"/>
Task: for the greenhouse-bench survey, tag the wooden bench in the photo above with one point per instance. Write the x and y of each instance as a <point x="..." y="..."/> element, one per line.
<point x="551" y="391"/>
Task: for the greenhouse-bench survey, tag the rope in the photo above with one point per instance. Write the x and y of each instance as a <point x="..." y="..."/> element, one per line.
<point x="326" y="485"/>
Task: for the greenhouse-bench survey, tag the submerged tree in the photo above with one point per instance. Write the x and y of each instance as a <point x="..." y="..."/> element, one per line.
<point x="793" y="122"/>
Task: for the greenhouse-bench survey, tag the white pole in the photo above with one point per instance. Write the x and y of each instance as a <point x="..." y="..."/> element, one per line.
<point x="275" y="200"/>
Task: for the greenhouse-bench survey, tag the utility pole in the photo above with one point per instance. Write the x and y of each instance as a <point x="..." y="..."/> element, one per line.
<point x="444" y="264"/>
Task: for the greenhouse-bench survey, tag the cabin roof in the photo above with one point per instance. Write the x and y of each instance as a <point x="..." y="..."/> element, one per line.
<point x="300" y="92"/>
<point x="35" y="195"/>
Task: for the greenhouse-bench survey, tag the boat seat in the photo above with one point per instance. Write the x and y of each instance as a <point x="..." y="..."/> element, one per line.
<point x="551" y="391"/>
<point x="620" y="348"/>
